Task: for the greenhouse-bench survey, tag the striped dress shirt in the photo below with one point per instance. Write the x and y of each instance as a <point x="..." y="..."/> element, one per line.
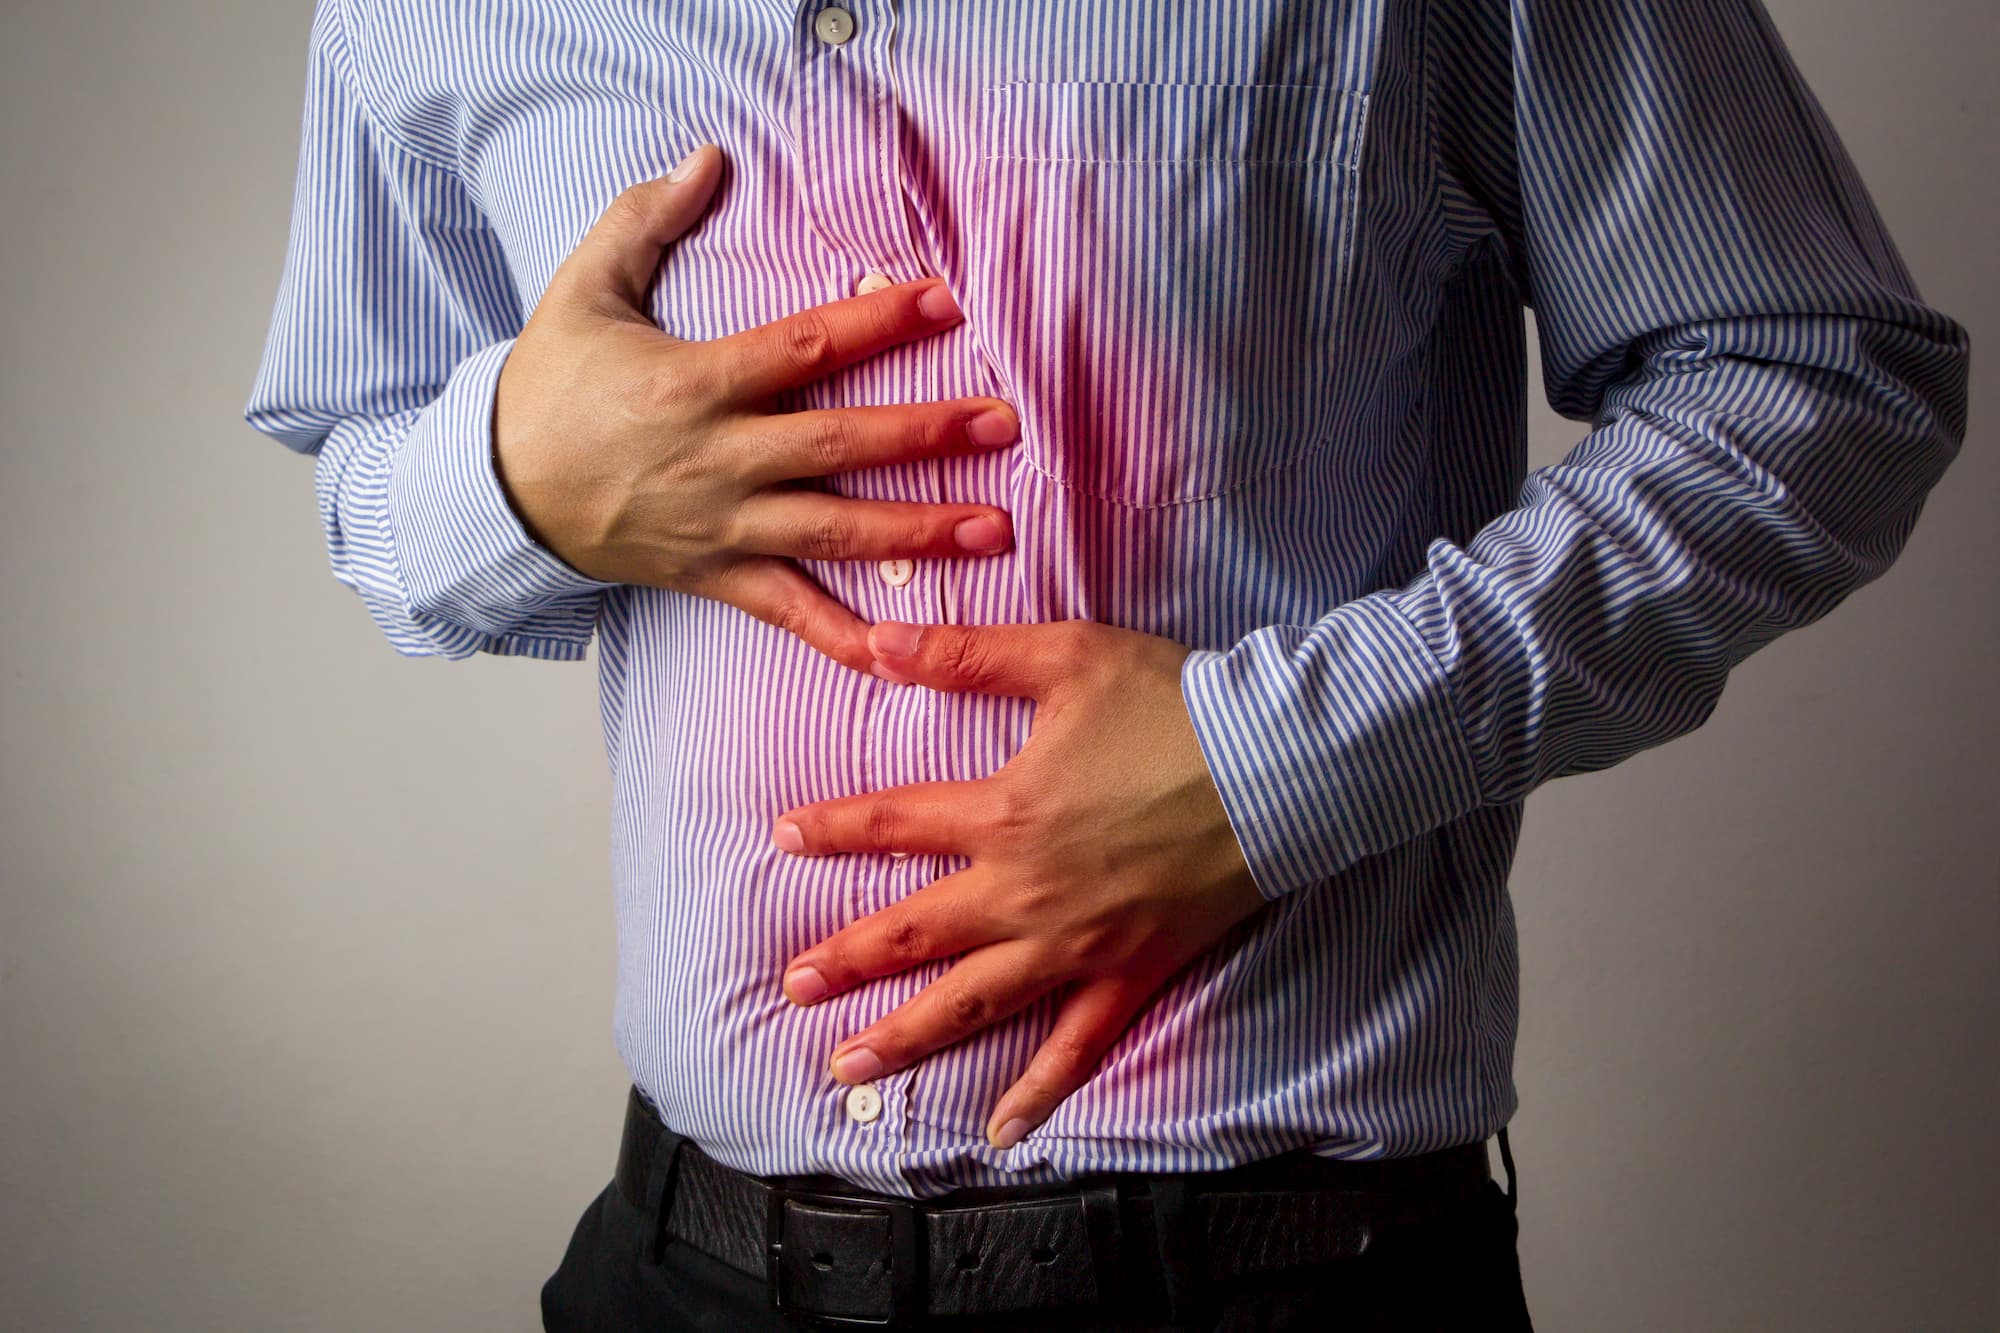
<point x="1254" y="276"/>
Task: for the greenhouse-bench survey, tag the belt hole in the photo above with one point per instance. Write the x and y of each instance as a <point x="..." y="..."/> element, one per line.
<point x="823" y="1261"/>
<point x="1042" y="1254"/>
<point x="968" y="1261"/>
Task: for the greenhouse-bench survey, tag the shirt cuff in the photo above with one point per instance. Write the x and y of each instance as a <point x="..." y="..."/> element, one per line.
<point x="1328" y="742"/>
<point x="464" y="556"/>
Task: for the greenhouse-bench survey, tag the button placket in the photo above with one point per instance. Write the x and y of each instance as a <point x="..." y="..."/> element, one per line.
<point x="901" y="724"/>
<point x="847" y="126"/>
<point x="913" y="872"/>
<point x="847" y="135"/>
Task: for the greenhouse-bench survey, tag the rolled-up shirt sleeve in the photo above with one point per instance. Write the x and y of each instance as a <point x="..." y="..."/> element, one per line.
<point x="1771" y="401"/>
<point x="394" y="315"/>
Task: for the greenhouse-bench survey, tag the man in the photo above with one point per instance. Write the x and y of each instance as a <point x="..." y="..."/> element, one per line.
<point x="1075" y="633"/>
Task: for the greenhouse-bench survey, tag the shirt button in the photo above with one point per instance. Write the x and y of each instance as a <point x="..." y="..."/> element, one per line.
<point x="896" y="573"/>
<point x="863" y="1102"/>
<point x="899" y="856"/>
<point x="834" y="25"/>
<point x="873" y="282"/>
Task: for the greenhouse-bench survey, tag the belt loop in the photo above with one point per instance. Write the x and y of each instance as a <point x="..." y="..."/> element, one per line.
<point x="660" y="1190"/>
<point x="1173" y="1235"/>
<point x="1104" y="1229"/>
<point x="1507" y="1160"/>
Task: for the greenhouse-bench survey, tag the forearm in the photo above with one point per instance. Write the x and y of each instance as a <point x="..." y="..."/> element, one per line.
<point x="1751" y="475"/>
<point x="1754" y="475"/>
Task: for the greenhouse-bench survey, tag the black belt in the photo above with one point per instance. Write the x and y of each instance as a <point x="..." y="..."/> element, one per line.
<point x="847" y="1255"/>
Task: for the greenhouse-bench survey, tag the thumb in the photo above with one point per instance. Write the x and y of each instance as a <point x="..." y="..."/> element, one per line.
<point x="618" y="258"/>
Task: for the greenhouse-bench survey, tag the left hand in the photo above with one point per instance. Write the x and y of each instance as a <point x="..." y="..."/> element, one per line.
<point x="1101" y="854"/>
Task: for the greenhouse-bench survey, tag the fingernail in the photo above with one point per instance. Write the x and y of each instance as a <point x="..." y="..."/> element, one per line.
<point x="857" y="1066"/>
<point x="1010" y="1133"/>
<point x="685" y="167"/>
<point x="804" y="985"/>
<point x="877" y="669"/>
<point x="788" y="837"/>
<point x="992" y="427"/>
<point x="892" y="638"/>
<point x="937" y="303"/>
<point x="981" y="533"/>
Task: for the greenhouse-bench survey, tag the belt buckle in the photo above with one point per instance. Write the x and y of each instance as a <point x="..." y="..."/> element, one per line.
<point x="907" y="1288"/>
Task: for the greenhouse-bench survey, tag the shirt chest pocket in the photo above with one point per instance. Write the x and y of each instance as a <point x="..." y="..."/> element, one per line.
<point x="1162" y="271"/>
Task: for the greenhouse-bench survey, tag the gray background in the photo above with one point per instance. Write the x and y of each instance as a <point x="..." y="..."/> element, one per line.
<point x="305" y="948"/>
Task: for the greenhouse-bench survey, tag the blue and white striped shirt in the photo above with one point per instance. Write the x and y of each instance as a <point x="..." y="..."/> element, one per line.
<point x="1253" y="275"/>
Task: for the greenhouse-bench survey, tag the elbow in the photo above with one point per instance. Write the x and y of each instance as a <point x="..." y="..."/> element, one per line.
<point x="302" y="433"/>
<point x="1843" y="435"/>
<point x="1808" y="447"/>
<point x="1911" y="392"/>
<point x="1885" y="418"/>
<point x="1928" y="361"/>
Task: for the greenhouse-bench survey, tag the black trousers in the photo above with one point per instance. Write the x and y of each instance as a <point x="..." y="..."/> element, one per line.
<point x="1458" y="1272"/>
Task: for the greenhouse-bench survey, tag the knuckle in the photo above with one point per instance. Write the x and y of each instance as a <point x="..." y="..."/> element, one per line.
<point x="963" y="656"/>
<point x="965" y="1007"/>
<point x="1088" y="946"/>
<point x="673" y="384"/>
<point x="791" y="617"/>
<point x="1009" y="809"/>
<point x="632" y="207"/>
<point x="830" y="537"/>
<point x="918" y="536"/>
<point x="806" y="342"/>
<point x="936" y="431"/>
<point x="829" y="441"/>
<point x="1033" y="898"/>
<point x="883" y="825"/>
<point x="724" y="531"/>
<point x="1074" y="648"/>
<point x="906" y="939"/>
<point x="883" y="322"/>
<point x="1066" y="1053"/>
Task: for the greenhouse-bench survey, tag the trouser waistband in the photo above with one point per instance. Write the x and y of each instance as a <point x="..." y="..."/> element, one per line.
<point x="1133" y="1241"/>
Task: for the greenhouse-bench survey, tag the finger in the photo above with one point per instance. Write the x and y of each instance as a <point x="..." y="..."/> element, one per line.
<point x="916" y="817"/>
<point x="618" y="258"/>
<point x="1093" y="1016"/>
<point x="811" y="444"/>
<point x="779" y="593"/>
<point x="1031" y="660"/>
<point x="812" y="525"/>
<point x="941" y="919"/>
<point x="984" y="987"/>
<point x="929" y="817"/>
<point x="815" y="342"/>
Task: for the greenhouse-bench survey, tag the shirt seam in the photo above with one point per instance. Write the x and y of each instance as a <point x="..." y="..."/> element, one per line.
<point x="1426" y="96"/>
<point x="1437" y="221"/>
<point x="349" y="65"/>
<point x="1338" y="163"/>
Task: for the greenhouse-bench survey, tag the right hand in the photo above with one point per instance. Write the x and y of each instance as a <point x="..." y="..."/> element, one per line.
<point x="639" y="457"/>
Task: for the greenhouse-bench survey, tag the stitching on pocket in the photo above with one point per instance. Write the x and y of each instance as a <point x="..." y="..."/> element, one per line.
<point x="1128" y="128"/>
<point x="1141" y="123"/>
